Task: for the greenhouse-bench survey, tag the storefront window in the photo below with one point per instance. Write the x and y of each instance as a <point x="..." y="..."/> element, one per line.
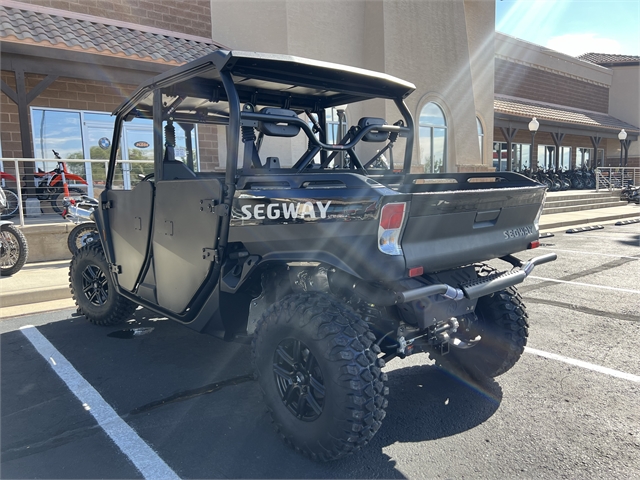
<point x="520" y="157"/>
<point x="546" y="156"/>
<point x="565" y="158"/>
<point x="600" y="159"/>
<point x="79" y="135"/>
<point x="583" y="157"/>
<point x="433" y="139"/>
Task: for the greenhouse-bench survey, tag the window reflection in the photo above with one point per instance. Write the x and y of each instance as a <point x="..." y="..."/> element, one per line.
<point x="433" y="138"/>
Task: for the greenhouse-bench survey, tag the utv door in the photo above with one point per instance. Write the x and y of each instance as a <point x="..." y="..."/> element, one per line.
<point x="185" y="238"/>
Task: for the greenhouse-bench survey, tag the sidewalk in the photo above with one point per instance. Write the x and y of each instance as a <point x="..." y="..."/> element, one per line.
<point x="44" y="286"/>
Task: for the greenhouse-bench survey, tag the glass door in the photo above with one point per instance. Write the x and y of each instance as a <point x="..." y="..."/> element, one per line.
<point x="97" y="146"/>
<point x="138" y="142"/>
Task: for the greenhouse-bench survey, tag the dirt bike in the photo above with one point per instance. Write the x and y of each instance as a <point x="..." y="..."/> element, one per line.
<point x="79" y="211"/>
<point x="52" y="185"/>
<point x="11" y="197"/>
<point x="13" y="244"/>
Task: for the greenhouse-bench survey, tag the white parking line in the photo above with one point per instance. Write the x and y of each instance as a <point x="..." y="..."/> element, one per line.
<point x="150" y="465"/>
<point x="587" y="365"/>
<point x="600" y="287"/>
<point x="588" y="253"/>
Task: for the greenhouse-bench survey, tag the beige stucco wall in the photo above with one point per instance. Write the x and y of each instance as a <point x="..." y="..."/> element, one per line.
<point x="424" y="42"/>
<point x="624" y="100"/>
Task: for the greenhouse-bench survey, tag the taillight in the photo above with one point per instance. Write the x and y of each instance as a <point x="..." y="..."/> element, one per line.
<point x="391" y="220"/>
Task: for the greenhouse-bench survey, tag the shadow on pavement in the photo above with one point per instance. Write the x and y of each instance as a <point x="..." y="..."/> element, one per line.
<point x="207" y="417"/>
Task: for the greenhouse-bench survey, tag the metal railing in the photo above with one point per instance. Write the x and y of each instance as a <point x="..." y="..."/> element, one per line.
<point x="92" y="171"/>
<point x="610" y="178"/>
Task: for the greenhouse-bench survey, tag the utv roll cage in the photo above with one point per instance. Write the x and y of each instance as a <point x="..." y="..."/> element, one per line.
<point x="212" y="89"/>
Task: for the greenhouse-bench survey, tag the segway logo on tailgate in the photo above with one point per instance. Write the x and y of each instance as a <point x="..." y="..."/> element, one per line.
<point x="274" y="211"/>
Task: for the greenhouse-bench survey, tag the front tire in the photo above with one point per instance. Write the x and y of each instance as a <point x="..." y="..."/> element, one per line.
<point x="12" y="208"/>
<point x="93" y="290"/>
<point x="318" y="367"/>
<point x="57" y="200"/>
<point x="502" y="323"/>
<point x="13" y="249"/>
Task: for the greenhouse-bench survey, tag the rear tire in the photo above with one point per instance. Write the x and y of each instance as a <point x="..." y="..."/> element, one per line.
<point x="318" y="367"/>
<point x="82" y="235"/>
<point x="14" y="250"/>
<point x="504" y="328"/>
<point x="57" y="200"/>
<point x="93" y="290"/>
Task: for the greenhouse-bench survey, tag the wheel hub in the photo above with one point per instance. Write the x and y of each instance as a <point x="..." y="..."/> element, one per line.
<point x="299" y="379"/>
<point x="94" y="285"/>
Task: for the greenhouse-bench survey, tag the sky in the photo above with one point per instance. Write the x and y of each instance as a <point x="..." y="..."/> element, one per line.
<point x="573" y="27"/>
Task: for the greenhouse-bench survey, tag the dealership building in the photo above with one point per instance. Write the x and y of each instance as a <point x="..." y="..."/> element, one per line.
<point x="65" y="65"/>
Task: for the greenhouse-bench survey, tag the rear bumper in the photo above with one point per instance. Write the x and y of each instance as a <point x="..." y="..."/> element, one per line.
<point x="479" y="287"/>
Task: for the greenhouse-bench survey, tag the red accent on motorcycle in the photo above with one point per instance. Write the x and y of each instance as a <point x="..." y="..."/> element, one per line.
<point x="534" y="244"/>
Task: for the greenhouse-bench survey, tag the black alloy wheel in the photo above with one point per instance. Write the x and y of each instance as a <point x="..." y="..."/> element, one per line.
<point x="94" y="285"/>
<point x="93" y="289"/>
<point x="299" y="379"/>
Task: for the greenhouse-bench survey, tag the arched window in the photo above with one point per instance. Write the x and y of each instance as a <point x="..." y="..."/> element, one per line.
<point x="433" y="139"/>
<point x="480" y="139"/>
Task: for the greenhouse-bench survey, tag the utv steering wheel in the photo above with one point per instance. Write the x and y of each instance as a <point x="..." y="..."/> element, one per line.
<point x="146" y="177"/>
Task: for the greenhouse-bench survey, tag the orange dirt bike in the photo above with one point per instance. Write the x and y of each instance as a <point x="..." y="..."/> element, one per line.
<point x="52" y="185"/>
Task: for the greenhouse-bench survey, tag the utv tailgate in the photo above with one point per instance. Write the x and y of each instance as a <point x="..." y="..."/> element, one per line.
<point x="446" y="229"/>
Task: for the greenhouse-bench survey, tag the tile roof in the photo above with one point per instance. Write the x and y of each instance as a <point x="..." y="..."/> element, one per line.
<point x="606" y="60"/>
<point x="98" y="36"/>
<point x="558" y="113"/>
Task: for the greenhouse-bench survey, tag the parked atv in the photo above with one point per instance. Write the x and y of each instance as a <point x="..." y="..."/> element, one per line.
<point x="332" y="261"/>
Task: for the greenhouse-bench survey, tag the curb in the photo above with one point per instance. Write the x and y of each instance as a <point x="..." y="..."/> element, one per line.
<point x="25" y="297"/>
<point x="585" y="221"/>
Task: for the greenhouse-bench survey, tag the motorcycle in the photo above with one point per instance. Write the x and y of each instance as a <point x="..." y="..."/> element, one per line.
<point x="79" y="211"/>
<point x="13" y="244"/>
<point x="52" y="185"/>
<point x="11" y="197"/>
<point x="630" y="194"/>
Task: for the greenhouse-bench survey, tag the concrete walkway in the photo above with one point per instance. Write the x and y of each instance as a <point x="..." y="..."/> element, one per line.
<point x="44" y="286"/>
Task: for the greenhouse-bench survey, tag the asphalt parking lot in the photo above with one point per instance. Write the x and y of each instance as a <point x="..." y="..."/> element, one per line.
<point x="185" y="405"/>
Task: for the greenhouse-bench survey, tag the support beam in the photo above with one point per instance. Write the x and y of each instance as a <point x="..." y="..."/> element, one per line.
<point x="509" y="134"/>
<point x="9" y="92"/>
<point x="23" y="115"/>
<point x="595" y="141"/>
<point x="557" y="141"/>
<point x="41" y="87"/>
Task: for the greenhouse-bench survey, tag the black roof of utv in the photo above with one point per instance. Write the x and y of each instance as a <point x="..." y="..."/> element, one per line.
<point x="264" y="79"/>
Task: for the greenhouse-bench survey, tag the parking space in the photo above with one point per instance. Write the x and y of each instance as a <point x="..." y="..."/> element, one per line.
<point x="191" y="397"/>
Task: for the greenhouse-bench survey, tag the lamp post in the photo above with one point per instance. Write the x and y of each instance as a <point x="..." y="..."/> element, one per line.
<point x="533" y="128"/>
<point x="622" y="136"/>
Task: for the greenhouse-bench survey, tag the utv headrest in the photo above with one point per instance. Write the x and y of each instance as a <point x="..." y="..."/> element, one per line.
<point x="373" y="136"/>
<point x="275" y="129"/>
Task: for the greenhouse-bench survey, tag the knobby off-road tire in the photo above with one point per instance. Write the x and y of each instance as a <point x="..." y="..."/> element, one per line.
<point x="317" y="365"/>
<point x="93" y="290"/>
<point x="82" y="235"/>
<point x="504" y="328"/>
<point x="14" y="250"/>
